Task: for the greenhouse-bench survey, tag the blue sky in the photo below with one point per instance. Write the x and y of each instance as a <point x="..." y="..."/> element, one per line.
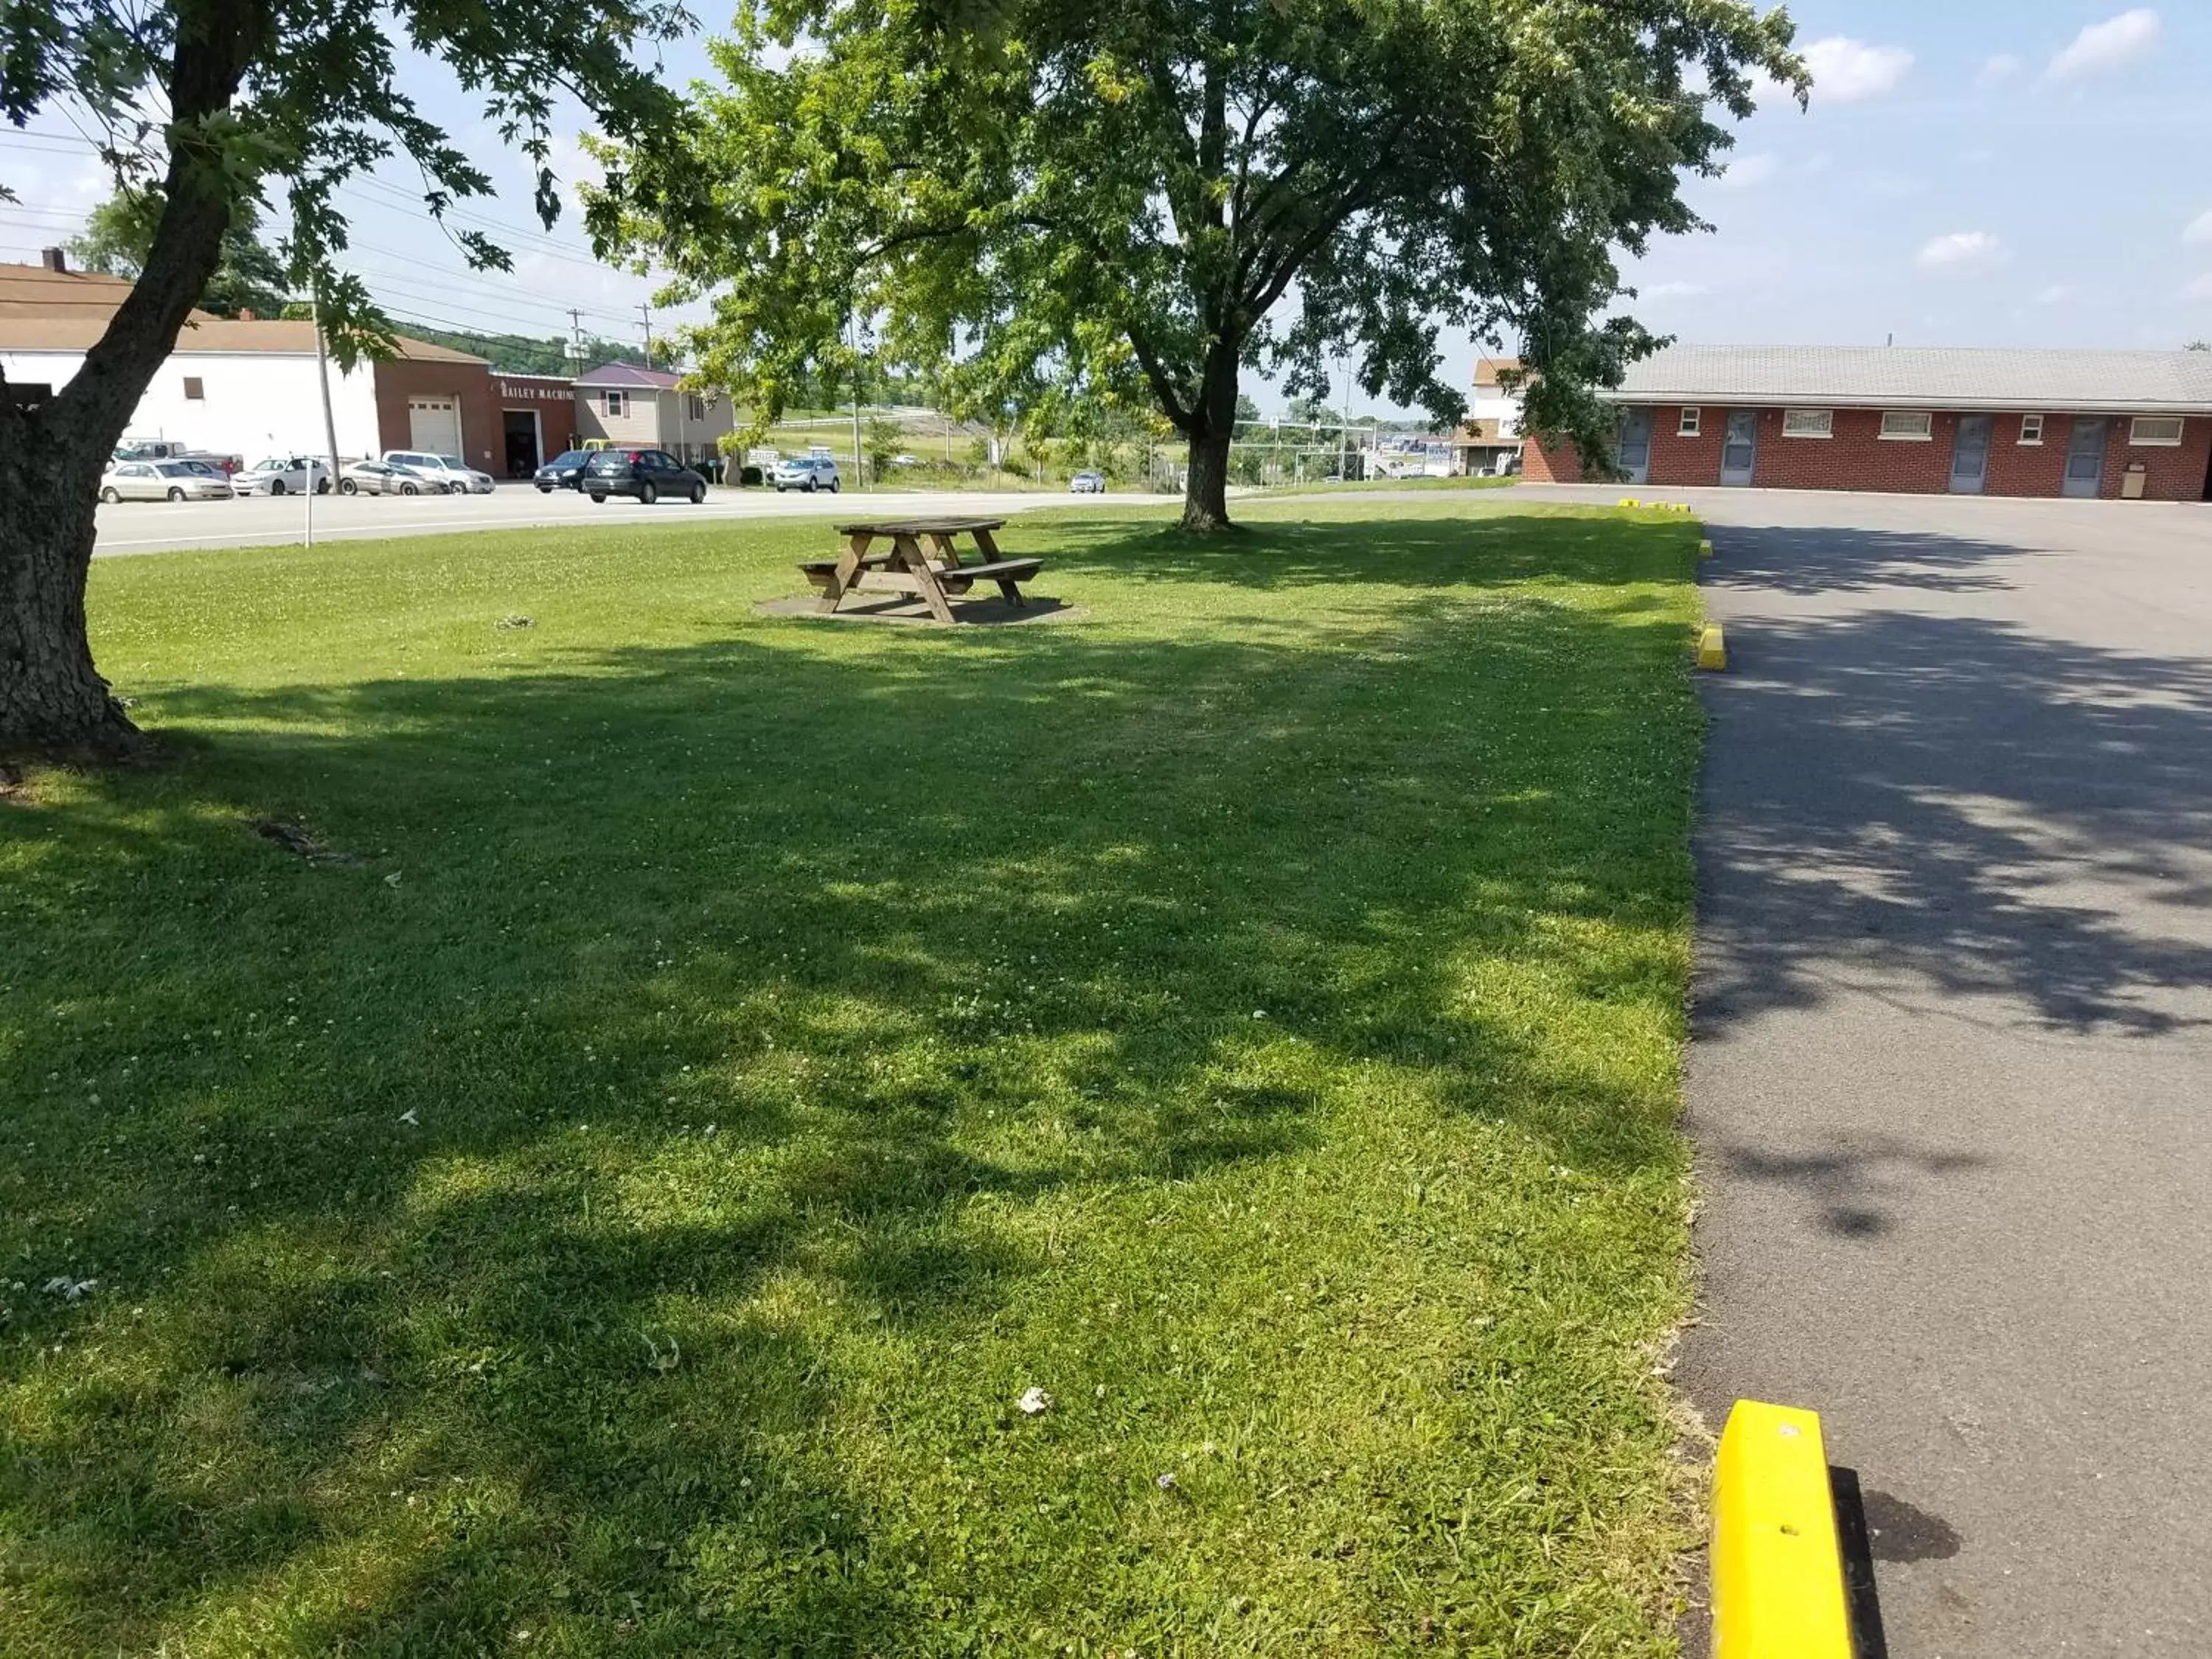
<point x="1969" y="174"/>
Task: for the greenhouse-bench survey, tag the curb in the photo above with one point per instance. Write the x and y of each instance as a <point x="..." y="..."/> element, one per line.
<point x="1778" y="1567"/>
<point x="1712" y="647"/>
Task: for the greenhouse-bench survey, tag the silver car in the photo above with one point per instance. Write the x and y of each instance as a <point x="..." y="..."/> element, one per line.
<point x="374" y="478"/>
<point x="807" y="472"/>
<point x="164" y="481"/>
<point x="450" y="472"/>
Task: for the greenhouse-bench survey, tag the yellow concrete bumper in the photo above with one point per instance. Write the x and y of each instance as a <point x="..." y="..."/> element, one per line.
<point x="1706" y="548"/>
<point x="1712" y="647"/>
<point x="1777" y="1568"/>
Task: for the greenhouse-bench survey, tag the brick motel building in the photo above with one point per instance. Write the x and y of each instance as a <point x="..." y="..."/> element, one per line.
<point x="2121" y="424"/>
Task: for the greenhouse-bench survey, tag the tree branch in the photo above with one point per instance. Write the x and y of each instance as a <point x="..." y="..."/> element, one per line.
<point x="1172" y="404"/>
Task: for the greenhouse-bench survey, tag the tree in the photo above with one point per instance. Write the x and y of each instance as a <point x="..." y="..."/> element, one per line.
<point x="1147" y="197"/>
<point x="249" y="276"/>
<point x="252" y="93"/>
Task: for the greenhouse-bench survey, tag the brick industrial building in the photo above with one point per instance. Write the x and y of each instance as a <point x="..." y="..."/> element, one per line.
<point x="1971" y="422"/>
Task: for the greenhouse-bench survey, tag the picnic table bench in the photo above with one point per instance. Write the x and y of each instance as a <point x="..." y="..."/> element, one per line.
<point x="923" y="560"/>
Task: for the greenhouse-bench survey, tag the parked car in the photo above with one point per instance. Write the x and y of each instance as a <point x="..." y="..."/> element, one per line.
<point x="163" y="481"/>
<point x="450" y="472"/>
<point x="376" y="478"/>
<point x="564" y="471"/>
<point x="646" y="474"/>
<point x="807" y="472"/>
<point x="1087" y="484"/>
<point x="283" y="475"/>
<point x="172" y="449"/>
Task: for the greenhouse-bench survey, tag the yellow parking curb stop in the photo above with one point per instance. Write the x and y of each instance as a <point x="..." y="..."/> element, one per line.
<point x="1777" y="1566"/>
<point x="1705" y="549"/>
<point x="1712" y="648"/>
<point x="1630" y="501"/>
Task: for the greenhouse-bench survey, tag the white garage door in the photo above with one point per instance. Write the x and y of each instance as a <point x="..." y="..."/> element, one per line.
<point x="434" y="424"/>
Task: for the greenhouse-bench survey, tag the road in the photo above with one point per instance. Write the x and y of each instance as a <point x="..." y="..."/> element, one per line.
<point x="1950" y="1078"/>
<point x="252" y="521"/>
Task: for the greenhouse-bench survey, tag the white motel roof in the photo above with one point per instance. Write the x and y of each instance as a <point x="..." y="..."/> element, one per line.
<point x="1923" y="376"/>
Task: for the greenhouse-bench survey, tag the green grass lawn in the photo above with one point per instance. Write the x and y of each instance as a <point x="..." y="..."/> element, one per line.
<point x="1377" y="486"/>
<point x="618" y="1208"/>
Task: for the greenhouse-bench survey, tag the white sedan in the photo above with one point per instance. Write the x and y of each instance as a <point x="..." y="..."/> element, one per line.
<point x="283" y="475"/>
<point x="164" y="481"/>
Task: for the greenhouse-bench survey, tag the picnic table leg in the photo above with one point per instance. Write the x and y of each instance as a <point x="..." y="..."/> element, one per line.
<point x="848" y="566"/>
<point x="925" y="579"/>
<point x="988" y="545"/>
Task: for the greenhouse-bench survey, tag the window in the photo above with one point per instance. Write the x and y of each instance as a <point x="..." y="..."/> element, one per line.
<point x="698" y="409"/>
<point x="195" y="388"/>
<point x="2155" y="431"/>
<point x="1688" y="427"/>
<point x="2031" y="429"/>
<point x="618" y="406"/>
<point x="1808" y="423"/>
<point x="1908" y="424"/>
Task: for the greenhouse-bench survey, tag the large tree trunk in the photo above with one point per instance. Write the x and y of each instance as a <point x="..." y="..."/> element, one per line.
<point x="1206" y="483"/>
<point x="1205" y="480"/>
<point x="53" y="703"/>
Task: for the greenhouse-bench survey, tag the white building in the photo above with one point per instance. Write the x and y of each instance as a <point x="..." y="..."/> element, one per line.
<point x="250" y="387"/>
<point x="1490" y="438"/>
<point x="1495" y="404"/>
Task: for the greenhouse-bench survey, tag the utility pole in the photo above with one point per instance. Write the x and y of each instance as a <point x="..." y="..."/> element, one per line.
<point x="323" y="379"/>
<point x="646" y="312"/>
<point x="857" y="478"/>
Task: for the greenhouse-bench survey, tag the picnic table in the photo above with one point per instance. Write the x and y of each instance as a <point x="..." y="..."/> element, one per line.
<point x="922" y="559"/>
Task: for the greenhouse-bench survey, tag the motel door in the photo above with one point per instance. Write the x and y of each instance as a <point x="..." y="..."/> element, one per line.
<point x="1740" y="447"/>
<point x="1636" y="445"/>
<point x="2085" y="457"/>
<point x="1970" y="455"/>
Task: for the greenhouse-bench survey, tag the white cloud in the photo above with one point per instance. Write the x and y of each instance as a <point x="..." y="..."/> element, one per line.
<point x="1673" y="291"/>
<point x="2200" y="228"/>
<point x="2057" y="293"/>
<point x="1847" y="71"/>
<point x="1962" y="250"/>
<point x="2108" y="45"/>
<point x="1999" y="69"/>
<point x="1749" y="172"/>
<point x="2199" y="290"/>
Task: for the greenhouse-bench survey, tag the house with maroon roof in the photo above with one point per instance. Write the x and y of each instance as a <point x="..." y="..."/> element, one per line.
<point x="622" y="404"/>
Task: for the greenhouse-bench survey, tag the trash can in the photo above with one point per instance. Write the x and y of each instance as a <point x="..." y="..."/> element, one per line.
<point x="2132" y="482"/>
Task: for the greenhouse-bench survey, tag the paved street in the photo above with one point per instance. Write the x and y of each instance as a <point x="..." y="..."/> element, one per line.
<point x="253" y="521"/>
<point x="1951" y="1076"/>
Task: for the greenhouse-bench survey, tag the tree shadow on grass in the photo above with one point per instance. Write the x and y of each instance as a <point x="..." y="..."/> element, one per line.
<point x="1455" y="543"/>
<point x="510" y="1213"/>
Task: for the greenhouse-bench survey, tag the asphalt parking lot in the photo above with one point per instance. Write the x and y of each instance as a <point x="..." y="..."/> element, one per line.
<point x="1950" y="1077"/>
<point x="126" y="527"/>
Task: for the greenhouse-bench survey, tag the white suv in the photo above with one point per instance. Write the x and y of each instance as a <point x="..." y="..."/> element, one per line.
<point x="449" y="473"/>
<point x="807" y="472"/>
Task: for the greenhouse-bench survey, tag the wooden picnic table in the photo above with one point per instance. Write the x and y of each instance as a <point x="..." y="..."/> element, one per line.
<point x="922" y="559"/>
